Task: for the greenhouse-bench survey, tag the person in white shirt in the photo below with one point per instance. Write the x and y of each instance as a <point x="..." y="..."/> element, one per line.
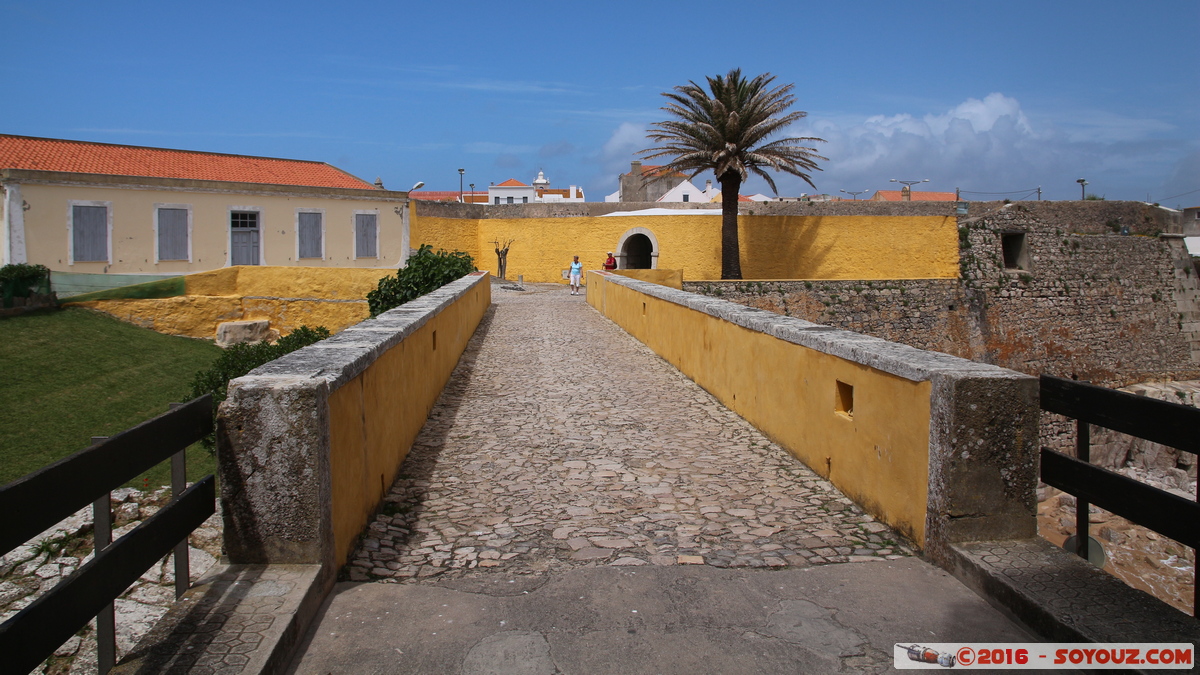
<point x="576" y="272"/>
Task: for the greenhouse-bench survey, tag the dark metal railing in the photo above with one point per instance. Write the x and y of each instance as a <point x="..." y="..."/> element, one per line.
<point x="1163" y="422"/>
<point x="45" y="497"/>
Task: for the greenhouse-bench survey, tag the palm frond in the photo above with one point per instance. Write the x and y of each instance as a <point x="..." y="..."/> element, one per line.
<point x="729" y="128"/>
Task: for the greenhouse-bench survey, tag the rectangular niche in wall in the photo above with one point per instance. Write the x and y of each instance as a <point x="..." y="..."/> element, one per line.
<point x="1016" y="253"/>
<point x="844" y="403"/>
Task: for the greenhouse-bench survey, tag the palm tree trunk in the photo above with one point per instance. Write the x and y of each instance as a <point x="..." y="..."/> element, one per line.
<point x="731" y="258"/>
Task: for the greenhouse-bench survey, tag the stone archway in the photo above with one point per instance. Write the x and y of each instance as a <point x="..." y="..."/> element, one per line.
<point x="637" y="250"/>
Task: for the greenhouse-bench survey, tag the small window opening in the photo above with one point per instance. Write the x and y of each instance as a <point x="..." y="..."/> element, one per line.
<point x="435" y="340"/>
<point x="844" y="402"/>
<point x="1016" y="254"/>
<point x="643" y="309"/>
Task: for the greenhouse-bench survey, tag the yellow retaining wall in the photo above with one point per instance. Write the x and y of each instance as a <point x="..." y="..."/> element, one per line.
<point x="878" y="455"/>
<point x="375" y="417"/>
<point x="671" y="278"/>
<point x="772" y="247"/>
<point x="288" y="297"/>
<point x="451" y="234"/>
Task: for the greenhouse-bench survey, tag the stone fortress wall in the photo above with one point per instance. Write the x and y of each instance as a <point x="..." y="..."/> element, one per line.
<point x="1102" y="291"/>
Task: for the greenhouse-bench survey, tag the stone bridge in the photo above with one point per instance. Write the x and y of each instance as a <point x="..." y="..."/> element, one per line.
<point x="573" y="502"/>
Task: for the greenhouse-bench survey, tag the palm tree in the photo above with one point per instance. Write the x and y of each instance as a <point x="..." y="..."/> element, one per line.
<point x="727" y="132"/>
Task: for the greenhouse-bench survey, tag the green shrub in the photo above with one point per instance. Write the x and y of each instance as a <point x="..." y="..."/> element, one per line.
<point x="18" y="280"/>
<point x="237" y="360"/>
<point x="425" y="272"/>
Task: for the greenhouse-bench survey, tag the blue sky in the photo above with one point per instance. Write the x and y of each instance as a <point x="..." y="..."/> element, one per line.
<point x="987" y="97"/>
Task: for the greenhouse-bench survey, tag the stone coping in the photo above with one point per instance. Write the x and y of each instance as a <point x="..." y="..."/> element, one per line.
<point x="896" y="359"/>
<point x="348" y="354"/>
<point x="1064" y="598"/>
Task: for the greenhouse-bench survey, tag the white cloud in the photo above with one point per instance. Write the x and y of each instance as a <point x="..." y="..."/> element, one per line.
<point x="989" y="145"/>
<point x="981" y="145"/>
<point x="620" y="149"/>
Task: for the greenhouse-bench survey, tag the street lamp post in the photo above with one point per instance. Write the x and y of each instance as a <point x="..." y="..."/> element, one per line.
<point x="854" y="194"/>
<point x="1082" y="188"/>
<point x="909" y="183"/>
<point x="472" y="193"/>
<point x="460" y="178"/>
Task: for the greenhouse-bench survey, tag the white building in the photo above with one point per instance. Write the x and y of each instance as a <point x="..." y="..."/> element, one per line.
<point x="687" y="192"/>
<point x="513" y="191"/>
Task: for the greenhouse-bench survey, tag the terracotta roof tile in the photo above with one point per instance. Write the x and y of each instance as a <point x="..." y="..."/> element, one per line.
<point x="49" y="154"/>
<point x="717" y="198"/>
<point x="894" y="196"/>
<point x="648" y="169"/>
<point x="512" y="182"/>
<point x="435" y="195"/>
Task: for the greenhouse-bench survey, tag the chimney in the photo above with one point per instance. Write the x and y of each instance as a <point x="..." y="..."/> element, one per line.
<point x="707" y="186"/>
<point x="635" y="168"/>
<point x="379" y="182"/>
<point x="906" y="194"/>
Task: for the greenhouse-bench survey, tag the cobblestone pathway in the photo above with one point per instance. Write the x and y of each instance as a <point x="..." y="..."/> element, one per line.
<point x="562" y="442"/>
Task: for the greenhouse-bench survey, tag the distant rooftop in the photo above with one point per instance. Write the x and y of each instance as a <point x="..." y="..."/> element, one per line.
<point x="655" y="170"/>
<point x="51" y="154"/>
<point x="435" y="195"/>
<point x="894" y="196"/>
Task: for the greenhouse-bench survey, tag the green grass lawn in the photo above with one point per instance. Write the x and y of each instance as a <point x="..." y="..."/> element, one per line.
<point x="71" y="374"/>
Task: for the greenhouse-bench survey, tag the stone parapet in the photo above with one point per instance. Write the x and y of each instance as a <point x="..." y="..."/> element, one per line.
<point x="299" y="439"/>
<point x="978" y="433"/>
<point x="1076" y="298"/>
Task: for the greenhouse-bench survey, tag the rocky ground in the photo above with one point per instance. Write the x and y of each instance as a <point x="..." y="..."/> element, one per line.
<point x="32" y="569"/>
<point x="1139" y="557"/>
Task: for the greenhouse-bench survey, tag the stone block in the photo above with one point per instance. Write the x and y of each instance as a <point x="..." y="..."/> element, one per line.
<point x="245" y="332"/>
<point x="983" y="459"/>
<point x="273" y="439"/>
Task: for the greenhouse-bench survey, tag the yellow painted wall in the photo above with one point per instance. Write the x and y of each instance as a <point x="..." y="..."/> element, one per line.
<point x="849" y="247"/>
<point x="133" y="235"/>
<point x="544" y="247"/>
<point x="671" y="278"/>
<point x="451" y="234"/>
<point x="288" y="297"/>
<point x="375" y="417"/>
<point x="773" y="247"/>
<point x="878" y="456"/>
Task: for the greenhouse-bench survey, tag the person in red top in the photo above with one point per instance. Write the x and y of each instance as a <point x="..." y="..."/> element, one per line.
<point x="611" y="263"/>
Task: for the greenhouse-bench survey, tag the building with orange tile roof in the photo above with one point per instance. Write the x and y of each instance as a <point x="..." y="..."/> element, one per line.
<point x="907" y="195"/>
<point x="106" y="209"/>
<point x="63" y="156"/>
<point x="513" y="191"/>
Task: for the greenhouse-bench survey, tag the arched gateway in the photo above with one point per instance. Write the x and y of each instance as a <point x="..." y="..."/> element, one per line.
<point x="637" y="250"/>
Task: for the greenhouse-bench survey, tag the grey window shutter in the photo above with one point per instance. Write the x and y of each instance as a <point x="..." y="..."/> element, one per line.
<point x="89" y="233"/>
<point x="172" y="234"/>
<point x="365" y="235"/>
<point x="310" y="235"/>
